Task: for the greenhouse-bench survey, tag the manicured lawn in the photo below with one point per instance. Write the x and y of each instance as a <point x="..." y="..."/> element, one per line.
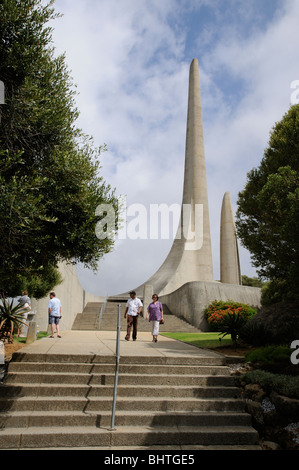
<point x="201" y="340"/>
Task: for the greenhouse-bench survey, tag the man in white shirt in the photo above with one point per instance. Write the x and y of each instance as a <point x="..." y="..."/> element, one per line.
<point x="54" y="310"/>
<point x="133" y="309"/>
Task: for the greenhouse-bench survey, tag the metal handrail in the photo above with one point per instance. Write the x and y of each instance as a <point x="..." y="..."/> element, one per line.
<point x="101" y="313"/>
<point x="112" y="427"/>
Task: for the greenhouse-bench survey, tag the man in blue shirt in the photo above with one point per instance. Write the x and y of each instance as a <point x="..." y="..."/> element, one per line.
<point x="54" y="309"/>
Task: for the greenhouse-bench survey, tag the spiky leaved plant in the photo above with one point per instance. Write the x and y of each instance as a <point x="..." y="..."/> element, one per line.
<point x="11" y="317"/>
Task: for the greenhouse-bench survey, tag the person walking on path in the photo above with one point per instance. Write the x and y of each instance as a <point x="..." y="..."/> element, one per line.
<point x="54" y="310"/>
<point x="133" y="309"/>
<point x="24" y="302"/>
<point x="155" y="315"/>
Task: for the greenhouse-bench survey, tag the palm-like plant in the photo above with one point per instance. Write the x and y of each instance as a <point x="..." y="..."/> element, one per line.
<point x="11" y="317"/>
<point x="232" y="323"/>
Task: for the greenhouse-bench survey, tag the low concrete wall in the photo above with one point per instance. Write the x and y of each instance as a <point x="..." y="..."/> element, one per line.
<point x="72" y="296"/>
<point x="190" y="300"/>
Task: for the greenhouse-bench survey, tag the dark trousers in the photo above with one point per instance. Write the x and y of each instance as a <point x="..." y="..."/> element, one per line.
<point x="132" y="321"/>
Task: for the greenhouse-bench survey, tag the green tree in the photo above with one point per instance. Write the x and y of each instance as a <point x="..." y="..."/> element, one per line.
<point x="50" y="183"/>
<point x="268" y="210"/>
<point x="251" y="281"/>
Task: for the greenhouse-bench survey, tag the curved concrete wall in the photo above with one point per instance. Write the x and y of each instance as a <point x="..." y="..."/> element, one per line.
<point x="72" y="296"/>
<point x="190" y="300"/>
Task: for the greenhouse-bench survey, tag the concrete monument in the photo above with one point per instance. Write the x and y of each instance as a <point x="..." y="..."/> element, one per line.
<point x="230" y="272"/>
<point x="190" y="258"/>
<point x="184" y="281"/>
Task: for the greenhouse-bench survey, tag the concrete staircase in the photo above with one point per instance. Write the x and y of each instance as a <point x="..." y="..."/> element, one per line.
<point x="90" y="319"/>
<point x="65" y="401"/>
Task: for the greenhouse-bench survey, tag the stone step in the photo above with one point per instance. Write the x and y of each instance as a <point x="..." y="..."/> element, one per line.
<point x="40" y="390"/>
<point x="99" y="404"/>
<point x="123" y="379"/>
<point x="213" y="360"/>
<point x="134" y="370"/>
<point x="93" y="307"/>
<point x="65" y="400"/>
<point x="36" y="437"/>
<point x="90" y="319"/>
<point x="172" y="323"/>
<point x="87" y="318"/>
<point x="25" y="419"/>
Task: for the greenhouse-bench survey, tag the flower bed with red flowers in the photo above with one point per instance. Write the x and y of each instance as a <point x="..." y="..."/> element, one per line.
<point x="218" y="311"/>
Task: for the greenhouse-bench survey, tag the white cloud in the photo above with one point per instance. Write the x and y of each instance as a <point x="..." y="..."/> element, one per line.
<point x="130" y="59"/>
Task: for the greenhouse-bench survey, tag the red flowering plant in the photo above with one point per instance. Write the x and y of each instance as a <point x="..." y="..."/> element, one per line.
<point x="228" y="317"/>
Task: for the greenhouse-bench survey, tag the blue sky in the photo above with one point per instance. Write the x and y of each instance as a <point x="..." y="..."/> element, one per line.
<point x="130" y="60"/>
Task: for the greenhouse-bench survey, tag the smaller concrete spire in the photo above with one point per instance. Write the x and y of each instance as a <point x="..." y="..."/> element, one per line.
<point x="230" y="272"/>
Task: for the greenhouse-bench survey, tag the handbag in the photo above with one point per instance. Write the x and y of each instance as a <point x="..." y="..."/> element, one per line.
<point x="162" y="321"/>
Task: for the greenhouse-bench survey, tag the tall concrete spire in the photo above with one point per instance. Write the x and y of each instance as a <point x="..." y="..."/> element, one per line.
<point x="190" y="258"/>
<point x="230" y="272"/>
<point x="195" y="180"/>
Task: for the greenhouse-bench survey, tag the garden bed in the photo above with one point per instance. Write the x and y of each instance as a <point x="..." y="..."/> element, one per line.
<point x="9" y="349"/>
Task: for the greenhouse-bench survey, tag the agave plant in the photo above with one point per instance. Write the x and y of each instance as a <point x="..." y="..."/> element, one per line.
<point x="11" y="318"/>
<point x="232" y="324"/>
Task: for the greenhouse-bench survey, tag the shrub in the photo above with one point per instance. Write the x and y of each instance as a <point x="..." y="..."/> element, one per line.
<point x="273" y="358"/>
<point x="228" y="317"/>
<point x="256" y="333"/>
<point x="11" y="318"/>
<point x="280" y="383"/>
<point x="277" y="324"/>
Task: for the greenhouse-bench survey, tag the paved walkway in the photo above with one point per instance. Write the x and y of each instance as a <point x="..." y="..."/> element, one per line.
<point x="104" y="343"/>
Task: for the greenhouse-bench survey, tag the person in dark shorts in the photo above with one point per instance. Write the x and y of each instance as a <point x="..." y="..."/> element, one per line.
<point x="54" y="310"/>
